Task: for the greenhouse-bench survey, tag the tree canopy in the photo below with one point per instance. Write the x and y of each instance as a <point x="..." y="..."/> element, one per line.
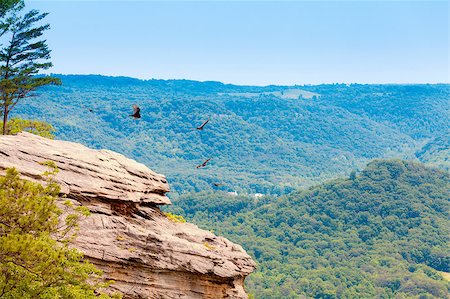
<point x="261" y="141"/>
<point x="41" y="128"/>
<point x="35" y="259"/>
<point x="22" y="56"/>
<point x="382" y="233"/>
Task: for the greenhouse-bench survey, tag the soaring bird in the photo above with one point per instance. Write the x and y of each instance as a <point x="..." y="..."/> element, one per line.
<point x="203" y="124"/>
<point x="136" y="112"/>
<point x="203" y="164"/>
<point x="89" y="109"/>
<point x="217" y="184"/>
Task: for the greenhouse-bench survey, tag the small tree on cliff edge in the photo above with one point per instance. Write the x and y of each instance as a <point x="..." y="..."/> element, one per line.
<point x="22" y="56"/>
<point x="36" y="259"/>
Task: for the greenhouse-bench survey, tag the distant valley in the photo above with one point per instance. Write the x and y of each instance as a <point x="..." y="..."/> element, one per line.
<point x="383" y="233"/>
<point x="269" y="140"/>
<point x="295" y="174"/>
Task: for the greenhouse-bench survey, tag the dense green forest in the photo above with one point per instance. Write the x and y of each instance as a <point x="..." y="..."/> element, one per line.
<point x="437" y="151"/>
<point x="381" y="233"/>
<point x="269" y="140"/>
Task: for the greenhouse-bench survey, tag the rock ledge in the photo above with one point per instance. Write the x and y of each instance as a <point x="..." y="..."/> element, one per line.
<point x="127" y="236"/>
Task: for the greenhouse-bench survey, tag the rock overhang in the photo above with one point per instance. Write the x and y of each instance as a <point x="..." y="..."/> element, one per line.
<point x="127" y="236"/>
<point x="84" y="172"/>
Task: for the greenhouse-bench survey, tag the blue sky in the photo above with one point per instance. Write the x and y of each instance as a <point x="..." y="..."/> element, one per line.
<point x="252" y="42"/>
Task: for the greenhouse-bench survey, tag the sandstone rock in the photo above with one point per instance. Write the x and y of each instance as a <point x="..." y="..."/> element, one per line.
<point x="127" y="236"/>
<point x="83" y="172"/>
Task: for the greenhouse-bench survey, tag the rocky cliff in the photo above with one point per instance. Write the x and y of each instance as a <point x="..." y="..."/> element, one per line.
<point x="127" y="236"/>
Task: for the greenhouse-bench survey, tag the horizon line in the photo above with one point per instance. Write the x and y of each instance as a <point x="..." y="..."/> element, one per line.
<point x="245" y="84"/>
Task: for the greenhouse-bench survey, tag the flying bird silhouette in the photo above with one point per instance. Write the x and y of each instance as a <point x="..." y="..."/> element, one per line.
<point x="203" y="164"/>
<point x="89" y="109"/>
<point x="218" y="184"/>
<point x="203" y="124"/>
<point x="136" y="112"/>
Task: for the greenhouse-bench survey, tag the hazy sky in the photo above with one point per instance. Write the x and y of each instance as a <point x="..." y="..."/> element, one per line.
<point x="252" y="42"/>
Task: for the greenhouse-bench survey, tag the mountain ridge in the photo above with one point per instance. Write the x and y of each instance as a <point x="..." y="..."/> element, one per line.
<point x="382" y="233"/>
<point x="276" y="144"/>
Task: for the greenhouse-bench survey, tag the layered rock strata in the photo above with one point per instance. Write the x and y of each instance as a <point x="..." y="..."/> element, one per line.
<point x="127" y="236"/>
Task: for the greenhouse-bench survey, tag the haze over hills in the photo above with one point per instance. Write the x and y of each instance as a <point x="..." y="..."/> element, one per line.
<point x="437" y="151"/>
<point x="335" y="191"/>
<point x="270" y="139"/>
<point x="381" y="234"/>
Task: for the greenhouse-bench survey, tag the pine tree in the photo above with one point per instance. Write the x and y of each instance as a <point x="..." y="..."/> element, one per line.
<point x="36" y="261"/>
<point x="7" y="5"/>
<point x="22" y="57"/>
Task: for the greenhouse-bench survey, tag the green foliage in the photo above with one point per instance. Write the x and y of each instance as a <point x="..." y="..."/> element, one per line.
<point x="437" y="151"/>
<point x="209" y="246"/>
<point x="17" y="125"/>
<point x="420" y="111"/>
<point x="35" y="259"/>
<point x="53" y="169"/>
<point x="174" y="217"/>
<point x="260" y="140"/>
<point x="8" y="5"/>
<point x="22" y="57"/>
<point x="381" y="234"/>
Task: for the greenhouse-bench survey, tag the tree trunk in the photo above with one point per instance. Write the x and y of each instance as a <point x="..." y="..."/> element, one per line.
<point x="5" y="119"/>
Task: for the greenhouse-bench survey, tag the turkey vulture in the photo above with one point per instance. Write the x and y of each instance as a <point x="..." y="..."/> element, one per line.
<point x="136" y="112"/>
<point x="203" y="164"/>
<point x="89" y="109"/>
<point x="203" y="124"/>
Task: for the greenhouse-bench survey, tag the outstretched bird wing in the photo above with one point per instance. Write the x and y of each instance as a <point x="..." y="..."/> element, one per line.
<point x="136" y="111"/>
<point x="203" y="124"/>
<point x="204" y="163"/>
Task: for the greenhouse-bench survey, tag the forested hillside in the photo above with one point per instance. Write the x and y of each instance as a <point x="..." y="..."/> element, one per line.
<point x="420" y="111"/>
<point x="268" y="140"/>
<point x="381" y="233"/>
<point x="437" y="151"/>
